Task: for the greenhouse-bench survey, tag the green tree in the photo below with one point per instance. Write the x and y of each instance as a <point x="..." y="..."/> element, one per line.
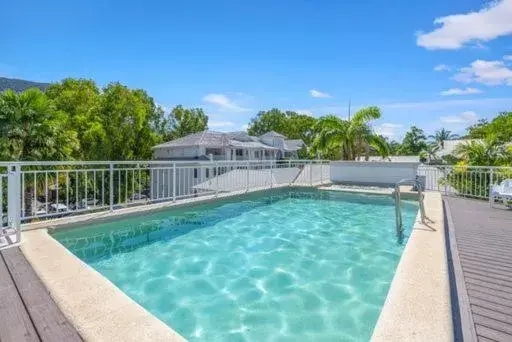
<point x="300" y="126"/>
<point x="483" y="153"/>
<point x="126" y="115"/>
<point x="414" y="142"/>
<point x="288" y="123"/>
<point x="184" y="121"/>
<point x="394" y="147"/>
<point x="430" y="152"/>
<point x="440" y="136"/>
<point x="499" y="129"/>
<point x="31" y="128"/>
<point x="353" y="137"/>
<point x="266" y="121"/>
<point x="80" y="99"/>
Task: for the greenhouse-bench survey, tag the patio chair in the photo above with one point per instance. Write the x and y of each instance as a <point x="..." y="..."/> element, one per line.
<point x="502" y="192"/>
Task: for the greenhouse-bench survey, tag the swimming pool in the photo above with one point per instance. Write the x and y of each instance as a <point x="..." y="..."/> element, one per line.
<point x="287" y="264"/>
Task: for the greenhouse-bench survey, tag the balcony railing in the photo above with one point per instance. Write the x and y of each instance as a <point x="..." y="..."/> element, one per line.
<point x="466" y="181"/>
<point x="32" y="191"/>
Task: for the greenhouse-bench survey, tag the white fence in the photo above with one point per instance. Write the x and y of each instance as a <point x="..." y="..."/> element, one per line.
<point x="39" y="190"/>
<point x="55" y="189"/>
<point x="467" y="181"/>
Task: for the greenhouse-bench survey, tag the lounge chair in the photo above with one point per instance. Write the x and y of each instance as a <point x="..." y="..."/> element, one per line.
<point x="502" y="192"/>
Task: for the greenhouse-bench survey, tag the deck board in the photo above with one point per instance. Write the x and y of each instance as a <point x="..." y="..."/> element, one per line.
<point x="483" y="238"/>
<point x="36" y="312"/>
<point x="15" y="323"/>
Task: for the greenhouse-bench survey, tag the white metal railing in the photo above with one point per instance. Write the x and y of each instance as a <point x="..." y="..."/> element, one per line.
<point x="467" y="181"/>
<point x="44" y="190"/>
<point x="398" y="204"/>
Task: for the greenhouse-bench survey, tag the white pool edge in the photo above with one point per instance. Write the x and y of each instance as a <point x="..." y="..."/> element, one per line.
<point x="418" y="306"/>
<point x="96" y="307"/>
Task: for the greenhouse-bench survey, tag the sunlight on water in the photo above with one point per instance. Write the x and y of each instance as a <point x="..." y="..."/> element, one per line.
<point x="288" y="265"/>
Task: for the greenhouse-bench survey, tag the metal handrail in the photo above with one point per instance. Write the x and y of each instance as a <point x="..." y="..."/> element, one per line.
<point x="398" y="208"/>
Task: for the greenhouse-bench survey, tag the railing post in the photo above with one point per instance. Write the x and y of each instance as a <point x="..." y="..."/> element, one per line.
<point x="111" y="187"/>
<point x="311" y="173"/>
<point x="271" y="173"/>
<point x="491" y="182"/>
<point x="445" y="173"/>
<point x="217" y="173"/>
<point x="321" y="172"/>
<point x="174" y="182"/>
<point x="14" y="198"/>
<point x="247" y="176"/>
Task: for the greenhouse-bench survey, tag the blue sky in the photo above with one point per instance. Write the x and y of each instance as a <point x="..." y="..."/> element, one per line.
<point x="429" y="63"/>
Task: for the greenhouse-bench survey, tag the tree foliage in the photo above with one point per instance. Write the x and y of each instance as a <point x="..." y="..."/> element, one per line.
<point x="414" y="142"/>
<point x="31" y="128"/>
<point x="440" y="136"/>
<point x="184" y="121"/>
<point x="288" y="123"/>
<point x="75" y="119"/>
<point x="353" y="138"/>
<point x="499" y="129"/>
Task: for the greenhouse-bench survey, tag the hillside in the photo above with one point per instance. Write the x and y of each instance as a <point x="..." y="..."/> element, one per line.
<point x="20" y="85"/>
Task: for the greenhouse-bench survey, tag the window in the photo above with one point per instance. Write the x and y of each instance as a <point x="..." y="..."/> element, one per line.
<point x="195" y="173"/>
<point x="207" y="173"/>
<point x="239" y="153"/>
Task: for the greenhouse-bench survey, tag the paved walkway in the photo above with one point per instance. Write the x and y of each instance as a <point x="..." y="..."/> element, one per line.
<point x="27" y="312"/>
<point x="481" y="251"/>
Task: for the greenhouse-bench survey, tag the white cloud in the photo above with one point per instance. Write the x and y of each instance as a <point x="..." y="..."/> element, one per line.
<point x="463" y="118"/>
<point x="318" y="94"/>
<point x="220" y="124"/>
<point x="507" y="58"/>
<point x="442" y="67"/>
<point x="224" y="103"/>
<point x="456" y="30"/>
<point x="486" y="72"/>
<point x="245" y="127"/>
<point x="388" y="130"/>
<point x="458" y="91"/>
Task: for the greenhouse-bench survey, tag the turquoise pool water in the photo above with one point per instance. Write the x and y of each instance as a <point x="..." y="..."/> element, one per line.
<point x="285" y="265"/>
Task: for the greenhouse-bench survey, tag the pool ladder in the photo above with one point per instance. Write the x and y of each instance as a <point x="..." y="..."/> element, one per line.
<point x="398" y="207"/>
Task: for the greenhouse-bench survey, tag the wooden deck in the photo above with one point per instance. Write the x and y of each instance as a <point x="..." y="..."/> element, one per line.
<point x="480" y="239"/>
<point x="27" y="311"/>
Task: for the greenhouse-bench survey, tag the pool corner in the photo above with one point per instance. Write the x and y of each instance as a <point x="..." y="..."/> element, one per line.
<point x="97" y="308"/>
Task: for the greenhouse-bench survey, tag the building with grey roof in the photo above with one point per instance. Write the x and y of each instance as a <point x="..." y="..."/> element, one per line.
<point x="228" y="146"/>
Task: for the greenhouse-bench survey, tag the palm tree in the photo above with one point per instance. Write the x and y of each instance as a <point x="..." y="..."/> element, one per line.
<point x="31" y="129"/>
<point x="478" y="153"/>
<point x="430" y="152"/>
<point x="441" y="135"/>
<point x="353" y="137"/>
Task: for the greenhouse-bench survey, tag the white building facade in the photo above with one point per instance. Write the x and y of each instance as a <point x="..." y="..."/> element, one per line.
<point x="210" y="145"/>
<point x="213" y="146"/>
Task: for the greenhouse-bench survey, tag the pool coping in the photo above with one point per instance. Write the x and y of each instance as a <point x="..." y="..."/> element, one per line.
<point x="418" y="305"/>
<point x="97" y="308"/>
